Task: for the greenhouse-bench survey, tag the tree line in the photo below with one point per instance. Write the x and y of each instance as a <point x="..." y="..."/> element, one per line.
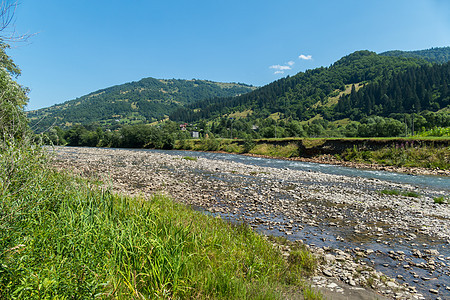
<point x="165" y="135"/>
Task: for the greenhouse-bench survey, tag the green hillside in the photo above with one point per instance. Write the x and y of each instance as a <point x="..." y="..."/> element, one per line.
<point x="309" y="93"/>
<point x="433" y="55"/>
<point x="143" y="101"/>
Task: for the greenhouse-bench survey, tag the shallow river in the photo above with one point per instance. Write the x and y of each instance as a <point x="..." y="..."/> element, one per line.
<point x="439" y="183"/>
<point x="298" y="200"/>
<point x="322" y="234"/>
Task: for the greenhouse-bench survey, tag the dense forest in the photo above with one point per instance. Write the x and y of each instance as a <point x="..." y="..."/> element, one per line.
<point x="144" y="101"/>
<point x="433" y="55"/>
<point x="416" y="89"/>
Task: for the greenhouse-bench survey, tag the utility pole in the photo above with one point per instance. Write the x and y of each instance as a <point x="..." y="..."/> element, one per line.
<point x="275" y="128"/>
<point x="231" y="132"/>
<point x="406" y="126"/>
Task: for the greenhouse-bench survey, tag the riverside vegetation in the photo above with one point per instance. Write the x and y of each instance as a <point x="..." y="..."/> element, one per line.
<point x="427" y="150"/>
<point x="64" y="237"/>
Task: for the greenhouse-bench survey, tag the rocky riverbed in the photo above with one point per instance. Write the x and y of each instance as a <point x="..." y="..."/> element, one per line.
<point x="394" y="245"/>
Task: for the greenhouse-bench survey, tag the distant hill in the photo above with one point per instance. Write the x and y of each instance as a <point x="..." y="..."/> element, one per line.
<point x="434" y="55"/>
<point x="318" y="92"/>
<point x="144" y="101"/>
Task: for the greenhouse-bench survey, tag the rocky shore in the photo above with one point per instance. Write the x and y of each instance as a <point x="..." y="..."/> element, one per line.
<point x="353" y="229"/>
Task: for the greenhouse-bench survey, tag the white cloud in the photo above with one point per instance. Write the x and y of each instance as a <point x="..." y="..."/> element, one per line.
<point x="278" y="72"/>
<point x="305" y="57"/>
<point x="281" y="68"/>
<point x="291" y="63"/>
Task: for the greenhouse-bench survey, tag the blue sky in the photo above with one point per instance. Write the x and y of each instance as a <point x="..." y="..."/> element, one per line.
<point x="81" y="46"/>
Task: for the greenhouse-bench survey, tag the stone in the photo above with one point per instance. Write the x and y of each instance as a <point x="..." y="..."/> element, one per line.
<point x="391" y="284"/>
<point x="329" y="258"/>
<point x="332" y="285"/>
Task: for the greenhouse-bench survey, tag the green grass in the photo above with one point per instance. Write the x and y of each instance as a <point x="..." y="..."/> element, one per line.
<point x="402" y="193"/>
<point x="436" y="132"/>
<point x="190" y="158"/>
<point x="65" y="237"/>
<point x="403" y="156"/>
<point x="311" y="294"/>
<point x="441" y="200"/>
<point x="290" y="150"/>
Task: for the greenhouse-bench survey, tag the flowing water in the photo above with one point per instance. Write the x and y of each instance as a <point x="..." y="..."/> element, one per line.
<point x="441" y="183"/>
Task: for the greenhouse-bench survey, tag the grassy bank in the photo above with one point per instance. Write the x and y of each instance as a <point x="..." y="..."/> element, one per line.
<point x="65" y="237"/>
<point x="422" y="152"/>
<point x="401" y="156"/>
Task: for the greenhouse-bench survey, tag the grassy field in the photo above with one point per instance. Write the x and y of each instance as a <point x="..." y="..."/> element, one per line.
<point x="65" y="237"/>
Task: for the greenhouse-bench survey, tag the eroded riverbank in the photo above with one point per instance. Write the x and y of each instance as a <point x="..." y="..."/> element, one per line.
<point x="344" y="218"/>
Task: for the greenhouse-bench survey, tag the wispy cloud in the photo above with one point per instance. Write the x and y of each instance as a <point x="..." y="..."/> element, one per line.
<point x="280" y="69"/>
<point x="305" y="57"/>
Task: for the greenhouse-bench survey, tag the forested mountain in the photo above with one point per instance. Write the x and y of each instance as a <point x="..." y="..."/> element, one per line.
<point x="433" y="55"/>
<point x="415" y="90"/>
<point x="362" y="94"/>
<point x="143" y="101"/>
<point x="318" y="91"/>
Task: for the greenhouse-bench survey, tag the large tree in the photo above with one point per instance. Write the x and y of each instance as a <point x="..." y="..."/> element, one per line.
<point x="13" y="98"/>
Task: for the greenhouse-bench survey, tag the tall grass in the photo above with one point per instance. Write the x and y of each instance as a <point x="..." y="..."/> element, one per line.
<point x="64" y="237"/>
<point x="290" y="150"/>
<point x="403" y="156"/>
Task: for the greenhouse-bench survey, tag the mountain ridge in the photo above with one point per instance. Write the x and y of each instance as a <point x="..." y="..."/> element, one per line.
<point x="146" y="100"/>
<point x="304" y="96"/>
<point x="433" y="55"/>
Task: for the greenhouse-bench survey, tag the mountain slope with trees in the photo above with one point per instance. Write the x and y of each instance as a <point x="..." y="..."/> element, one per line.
<point x="306" y="94"/>
<point x="434" y="55"/>
<point x="143" y="101"/>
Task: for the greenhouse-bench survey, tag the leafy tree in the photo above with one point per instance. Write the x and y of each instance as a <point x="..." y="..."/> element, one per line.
<point x="13" y="98"/>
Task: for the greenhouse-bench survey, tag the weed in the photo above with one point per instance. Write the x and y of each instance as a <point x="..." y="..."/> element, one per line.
<point x="190" y="158"/>
<point x="310" y="294"/>
<point x="290" y="150"/>
<point x="303" y="259"/>
<point x="441" y="200"/>
<point x="402" y="193"/>
<point x="390" y="192"/>
<point x="400" y="155"/>
<point x="411" y="194"/>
